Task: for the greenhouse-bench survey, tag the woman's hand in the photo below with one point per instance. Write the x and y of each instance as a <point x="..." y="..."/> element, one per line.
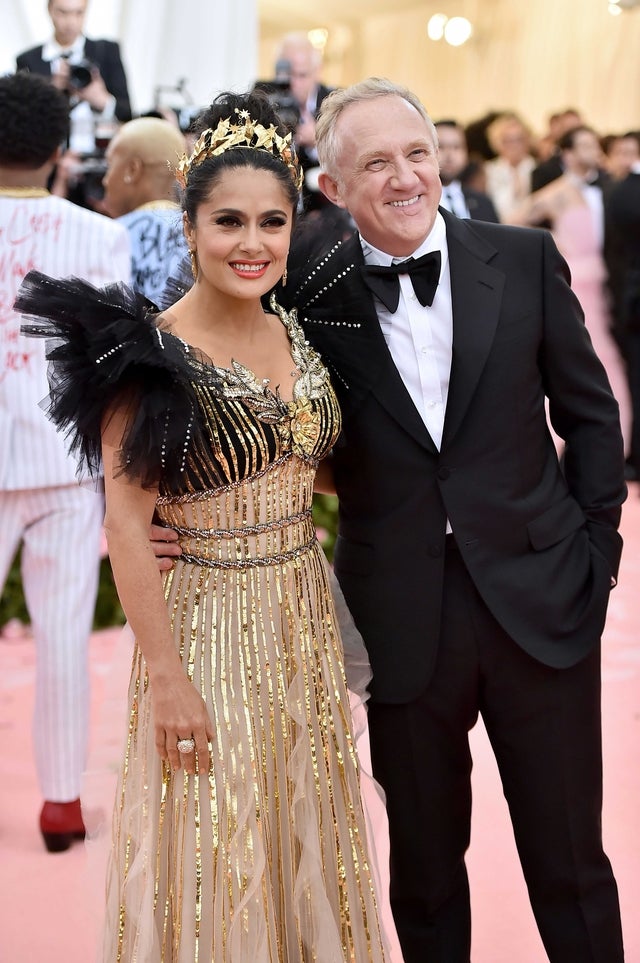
<point x="135" y="543"/>
<point x="179" y="712"/>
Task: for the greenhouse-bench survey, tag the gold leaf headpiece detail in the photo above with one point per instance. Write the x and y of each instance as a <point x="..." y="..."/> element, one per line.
<point x="246" y="133"/>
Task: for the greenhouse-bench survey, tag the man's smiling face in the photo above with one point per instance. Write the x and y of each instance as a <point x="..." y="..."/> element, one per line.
<point x="387" y="173"/>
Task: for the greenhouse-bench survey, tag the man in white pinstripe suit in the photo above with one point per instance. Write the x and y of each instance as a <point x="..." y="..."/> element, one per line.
<point x="41" y="504"/>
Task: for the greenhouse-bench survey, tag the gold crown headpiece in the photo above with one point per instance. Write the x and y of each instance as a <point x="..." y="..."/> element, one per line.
<point x="247" y="133"/>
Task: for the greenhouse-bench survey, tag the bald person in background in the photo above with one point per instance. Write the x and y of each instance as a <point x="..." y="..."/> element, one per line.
<point x="141" y="192"/>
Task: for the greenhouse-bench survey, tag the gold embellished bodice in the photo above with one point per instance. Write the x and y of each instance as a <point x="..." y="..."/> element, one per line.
<point x="248" y="476"/>
<point x="245" y="426"/>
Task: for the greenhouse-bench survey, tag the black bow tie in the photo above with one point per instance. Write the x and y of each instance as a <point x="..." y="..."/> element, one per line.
<point x="385" y="283"/>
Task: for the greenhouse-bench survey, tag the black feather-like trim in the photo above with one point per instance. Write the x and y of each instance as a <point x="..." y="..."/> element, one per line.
<point x="106" y="351"/>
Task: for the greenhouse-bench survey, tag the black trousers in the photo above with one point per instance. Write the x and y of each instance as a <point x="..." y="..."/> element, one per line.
<point x="544" y="728"/>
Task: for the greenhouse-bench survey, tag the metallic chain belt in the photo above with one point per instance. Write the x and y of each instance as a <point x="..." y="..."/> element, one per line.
<point x="245" y="563"/>
<point x="258" y="529"/>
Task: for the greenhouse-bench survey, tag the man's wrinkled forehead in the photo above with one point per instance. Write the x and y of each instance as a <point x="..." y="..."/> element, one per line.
<point x="385" y="122"/>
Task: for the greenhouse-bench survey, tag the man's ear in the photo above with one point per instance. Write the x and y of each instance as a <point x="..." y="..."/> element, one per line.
<point x="330" y="189"/>
<point x="133" y="169"/>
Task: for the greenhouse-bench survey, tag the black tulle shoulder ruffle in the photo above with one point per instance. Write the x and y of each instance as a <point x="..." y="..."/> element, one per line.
<point x="105" y="350"/>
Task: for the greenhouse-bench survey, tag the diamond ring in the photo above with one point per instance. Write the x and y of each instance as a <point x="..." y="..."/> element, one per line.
<point x="186" y="745"/>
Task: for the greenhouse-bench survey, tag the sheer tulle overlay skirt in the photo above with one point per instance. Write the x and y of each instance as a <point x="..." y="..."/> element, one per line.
<point x="265" y="859"/>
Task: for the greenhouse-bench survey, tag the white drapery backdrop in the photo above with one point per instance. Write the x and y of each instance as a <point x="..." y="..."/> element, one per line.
<point x="200" y="46"/>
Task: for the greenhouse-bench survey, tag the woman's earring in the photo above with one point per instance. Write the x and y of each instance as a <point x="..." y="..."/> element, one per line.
<point x="194" y="263"/>
<point x="284" y="278"/>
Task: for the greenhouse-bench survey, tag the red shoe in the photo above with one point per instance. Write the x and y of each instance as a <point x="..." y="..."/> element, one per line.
<point x="60" y="824"/>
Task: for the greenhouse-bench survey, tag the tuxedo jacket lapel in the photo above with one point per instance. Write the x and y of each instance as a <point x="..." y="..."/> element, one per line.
<point x="391" y="392"/>
<point x="347" y="334"/>
<point x="476" y="289"/>
<point x="344" y="327"/>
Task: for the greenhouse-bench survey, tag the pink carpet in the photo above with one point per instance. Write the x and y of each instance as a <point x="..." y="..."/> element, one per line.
<point x="45" y="906"/>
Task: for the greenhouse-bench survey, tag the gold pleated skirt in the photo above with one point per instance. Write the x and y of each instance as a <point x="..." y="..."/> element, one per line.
<point x="263" y="860"/>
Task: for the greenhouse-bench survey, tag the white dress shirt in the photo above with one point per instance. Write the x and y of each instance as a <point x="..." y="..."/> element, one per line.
<point x="420" y="338"/>
<point x="453" y="199"/>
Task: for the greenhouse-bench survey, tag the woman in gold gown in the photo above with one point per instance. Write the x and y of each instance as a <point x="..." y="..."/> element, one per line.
<point x="238" y="830"/>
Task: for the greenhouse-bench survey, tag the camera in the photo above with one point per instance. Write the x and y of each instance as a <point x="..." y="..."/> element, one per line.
<point x="85" y="184"/>
<point x="278" y="91"/>
<point x="80" y="74"/>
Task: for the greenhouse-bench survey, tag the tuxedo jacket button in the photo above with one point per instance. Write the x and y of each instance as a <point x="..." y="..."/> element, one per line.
<point x="443" y="473"/>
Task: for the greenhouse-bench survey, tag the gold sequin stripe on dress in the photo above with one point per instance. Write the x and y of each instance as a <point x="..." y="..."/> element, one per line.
<point x="264" y="859"/>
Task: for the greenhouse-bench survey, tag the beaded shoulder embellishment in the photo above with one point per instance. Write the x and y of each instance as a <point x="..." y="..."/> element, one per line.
<point x="313" y="380"/>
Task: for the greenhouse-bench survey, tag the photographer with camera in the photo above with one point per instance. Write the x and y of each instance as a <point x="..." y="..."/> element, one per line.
<point x="297" y="94"/>
<point x="305" y="62"/>
<point x="90" y="72"/>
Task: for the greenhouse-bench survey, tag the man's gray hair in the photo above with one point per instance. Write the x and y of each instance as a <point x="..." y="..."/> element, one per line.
<point x="327" y="143"/>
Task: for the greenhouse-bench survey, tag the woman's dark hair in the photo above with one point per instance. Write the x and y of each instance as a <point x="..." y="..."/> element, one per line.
<point x="34" y="120"/>
<point x="202" y="177"/>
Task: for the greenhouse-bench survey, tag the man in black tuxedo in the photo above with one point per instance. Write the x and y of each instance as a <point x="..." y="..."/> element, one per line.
<point x="477" y="569"/>
<point x="454" y="158"/>
<point x="97" y="93"/>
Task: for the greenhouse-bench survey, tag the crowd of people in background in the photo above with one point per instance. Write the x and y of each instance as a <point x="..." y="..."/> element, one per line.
<point x="580" y="183"/>
<point x="570" y="180"/>
<point x="493" y="168"/>
<point x="97" y="195"/>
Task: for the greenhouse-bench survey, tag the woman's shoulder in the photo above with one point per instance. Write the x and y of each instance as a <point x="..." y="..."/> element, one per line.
<point x="104" y="325"/>
<point x="107" y="348"/>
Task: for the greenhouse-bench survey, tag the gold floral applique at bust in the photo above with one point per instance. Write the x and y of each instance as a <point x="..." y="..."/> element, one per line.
<point x="304" y="426"/>
<point x="297" y="421"/>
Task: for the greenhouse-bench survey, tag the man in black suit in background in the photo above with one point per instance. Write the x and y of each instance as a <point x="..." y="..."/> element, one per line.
<point x="476" y="568"/>
<point x="89" y="71"/>
<point x="453" y="155"/>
